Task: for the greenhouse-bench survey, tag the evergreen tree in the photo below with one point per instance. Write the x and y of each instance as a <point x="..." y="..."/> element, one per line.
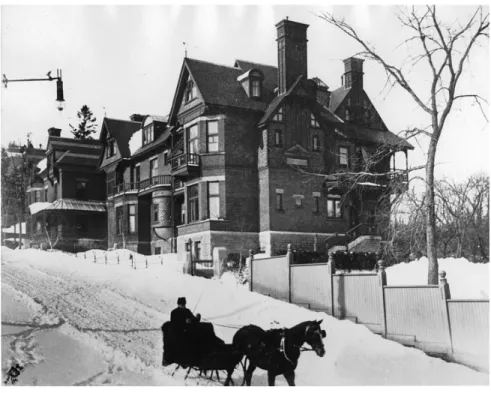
<point x="87" y="125"/>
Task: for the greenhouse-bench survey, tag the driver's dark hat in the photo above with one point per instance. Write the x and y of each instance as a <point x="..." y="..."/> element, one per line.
<point x="181" y="301"/>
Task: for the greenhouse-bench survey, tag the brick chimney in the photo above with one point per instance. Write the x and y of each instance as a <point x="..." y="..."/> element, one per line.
<point x="54" y="131"/>
<point x="353" y="74"/>
<point x="292" y="53"/>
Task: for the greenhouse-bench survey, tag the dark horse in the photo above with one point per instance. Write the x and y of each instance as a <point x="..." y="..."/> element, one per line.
<point x="277" y="351"/>
<point x="199" y="348"/>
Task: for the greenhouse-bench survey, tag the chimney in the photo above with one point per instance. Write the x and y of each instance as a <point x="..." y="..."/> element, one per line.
<point x="292" y="53"/>
<point x="54" y="131"/>
<point x="136" y="117"/>
<point x="353" y="74"/>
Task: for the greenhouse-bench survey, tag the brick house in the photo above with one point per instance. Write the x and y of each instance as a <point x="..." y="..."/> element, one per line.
<point x="139" y="184"/>
<point x="251" y="156"/>
<point x="67" y="196"/>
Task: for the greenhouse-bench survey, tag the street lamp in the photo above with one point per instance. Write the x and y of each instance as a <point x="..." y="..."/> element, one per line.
<point x="60" y="101"/>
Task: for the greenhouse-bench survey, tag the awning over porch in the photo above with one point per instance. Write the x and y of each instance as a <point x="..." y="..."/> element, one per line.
<point x="74" y="205"/>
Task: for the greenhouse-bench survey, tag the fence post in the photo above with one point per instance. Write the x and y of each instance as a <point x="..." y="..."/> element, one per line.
<point x="161" y="260"/>
<point x="105" y="258"/>
<point x="117" y="257"/>
<point x="382" y="281"/>
<point x="289" y="259"/>
<point x="131" y="259"/>
<point x="146" y="262"/>
<point x="250" y="263"/>
<point x="445" y="293"/>
<point x="331" y="269"/>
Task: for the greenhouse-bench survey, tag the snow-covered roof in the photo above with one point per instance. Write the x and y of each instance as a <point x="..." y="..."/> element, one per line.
<point x="42" y="165"/>
<point x="16" y="230"/>
<point x="36" y="207"/>
<point x="136" y="141"/>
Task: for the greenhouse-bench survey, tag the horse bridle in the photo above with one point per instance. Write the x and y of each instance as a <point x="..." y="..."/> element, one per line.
<point x="321" y="333"/>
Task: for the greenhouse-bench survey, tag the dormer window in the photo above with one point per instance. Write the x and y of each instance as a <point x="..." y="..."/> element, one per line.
<point x="251" y="82"/>
<point x="111" y="147"/>
<point x="148" y="134"/>
<point x="313" y="122"/>
<point x="279" y="115"/>
<point x="190" y="91"/>
<point x="256" y="88"/>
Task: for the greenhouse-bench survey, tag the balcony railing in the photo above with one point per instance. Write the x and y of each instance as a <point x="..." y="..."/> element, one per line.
<point x="184" y="160"/>
<point x="140" y="186"/>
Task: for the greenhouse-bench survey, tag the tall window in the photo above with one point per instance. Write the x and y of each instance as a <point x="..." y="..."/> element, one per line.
<point x="110" y="148"/>
<point x="212" y="136"/>
<point x="148" y="134"/>
<point x="137" y="174"/>
<point x="213" y="200"/>
<point x="81" y="187"/>
<point x="81" y="223"/>
<point x="316" y="143"/>
<point x="193" y="141"/>
<point x="279" y="201"/>
<point x="155" y="212"/>
<point x="256" y="88"/>
<point x="119" y="220"/>
<point x="45" y="195"/>
<point x="278" y="138"/>
<point x="334" y="209"/>
<point x="316" y="204"/>
<point x="190" y="91"/>
<point x="154" y="167"/>
<point x="343" y="156"/>
<point x="193" y="203"/>
<point x="279" y="115"/>
<point x="347" y="115"/>
<point x="56" y="191"/>
<point x="197" y="250"/>
<point x="132" y="218"/>
<point x="313" y="121"/>
<point x="166" y="157"/>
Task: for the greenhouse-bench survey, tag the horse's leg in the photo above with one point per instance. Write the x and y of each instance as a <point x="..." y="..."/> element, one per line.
<point x="290" y="377"/>
<point x="244" y="368"/>
<point x="189" y="370"/>
<point x="175" y="370"/>
<point x="271" y="378"/>
<point x="218" y="375"/>
<point x="249" y="372"/>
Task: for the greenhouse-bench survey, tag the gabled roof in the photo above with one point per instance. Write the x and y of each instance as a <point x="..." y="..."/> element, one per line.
<point x="121" y="130"/>
<point x="322" y="112"/>
<point x="337" y="96"/>
<point x="217" y="84"/>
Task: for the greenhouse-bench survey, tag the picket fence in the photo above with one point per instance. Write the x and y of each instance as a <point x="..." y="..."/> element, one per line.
<point x="421" y="316"/>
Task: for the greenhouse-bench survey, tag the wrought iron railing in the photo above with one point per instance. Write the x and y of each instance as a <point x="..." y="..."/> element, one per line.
<point x="184" y="160"/>
<point x="142" y="185"/>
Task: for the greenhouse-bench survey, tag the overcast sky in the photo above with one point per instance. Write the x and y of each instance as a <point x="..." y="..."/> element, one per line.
<point x="121" y="60"/>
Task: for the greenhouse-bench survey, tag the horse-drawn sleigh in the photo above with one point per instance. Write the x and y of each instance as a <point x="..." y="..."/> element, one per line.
<point x="277" y="350"/>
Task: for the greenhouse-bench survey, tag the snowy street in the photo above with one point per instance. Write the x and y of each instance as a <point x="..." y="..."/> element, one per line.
<point x="70" y="321"/>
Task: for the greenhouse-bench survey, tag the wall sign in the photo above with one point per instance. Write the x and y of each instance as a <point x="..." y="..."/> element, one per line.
<point x="296" y="161"/>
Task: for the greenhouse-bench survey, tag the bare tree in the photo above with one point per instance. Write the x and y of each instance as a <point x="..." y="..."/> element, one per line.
<point x="445" y="48"/>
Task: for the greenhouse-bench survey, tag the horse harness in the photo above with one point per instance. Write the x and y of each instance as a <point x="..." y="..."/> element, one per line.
<point x="283" y="348"/>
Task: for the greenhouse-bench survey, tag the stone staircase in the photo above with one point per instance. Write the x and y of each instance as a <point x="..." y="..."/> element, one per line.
<point x="365" y="243"/>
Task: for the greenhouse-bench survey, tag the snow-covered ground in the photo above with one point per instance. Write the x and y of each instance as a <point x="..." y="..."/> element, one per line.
<point x="110" y="316"/>
<point x="467" y="280"/>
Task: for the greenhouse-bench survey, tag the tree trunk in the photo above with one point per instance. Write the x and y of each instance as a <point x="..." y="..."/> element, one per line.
<point x="430" y="216"/>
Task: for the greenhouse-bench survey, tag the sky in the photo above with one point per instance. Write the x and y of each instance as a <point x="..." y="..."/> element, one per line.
<point x="121" y="60"/>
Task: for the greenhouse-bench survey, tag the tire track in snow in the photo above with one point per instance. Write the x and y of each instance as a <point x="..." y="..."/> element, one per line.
<point x="120" y="321"/>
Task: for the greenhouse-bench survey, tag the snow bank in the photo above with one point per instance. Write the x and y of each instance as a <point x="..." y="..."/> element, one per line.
<point x="136" y="141"/>
<point x="467" y="280"/>
<point x="111" y="299"/>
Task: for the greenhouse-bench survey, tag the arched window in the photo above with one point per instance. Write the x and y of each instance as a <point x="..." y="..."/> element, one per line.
<point x="316" y="143"/>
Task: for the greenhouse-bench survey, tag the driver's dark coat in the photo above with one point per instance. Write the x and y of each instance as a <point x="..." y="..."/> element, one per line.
<point x="178" y="318"/>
